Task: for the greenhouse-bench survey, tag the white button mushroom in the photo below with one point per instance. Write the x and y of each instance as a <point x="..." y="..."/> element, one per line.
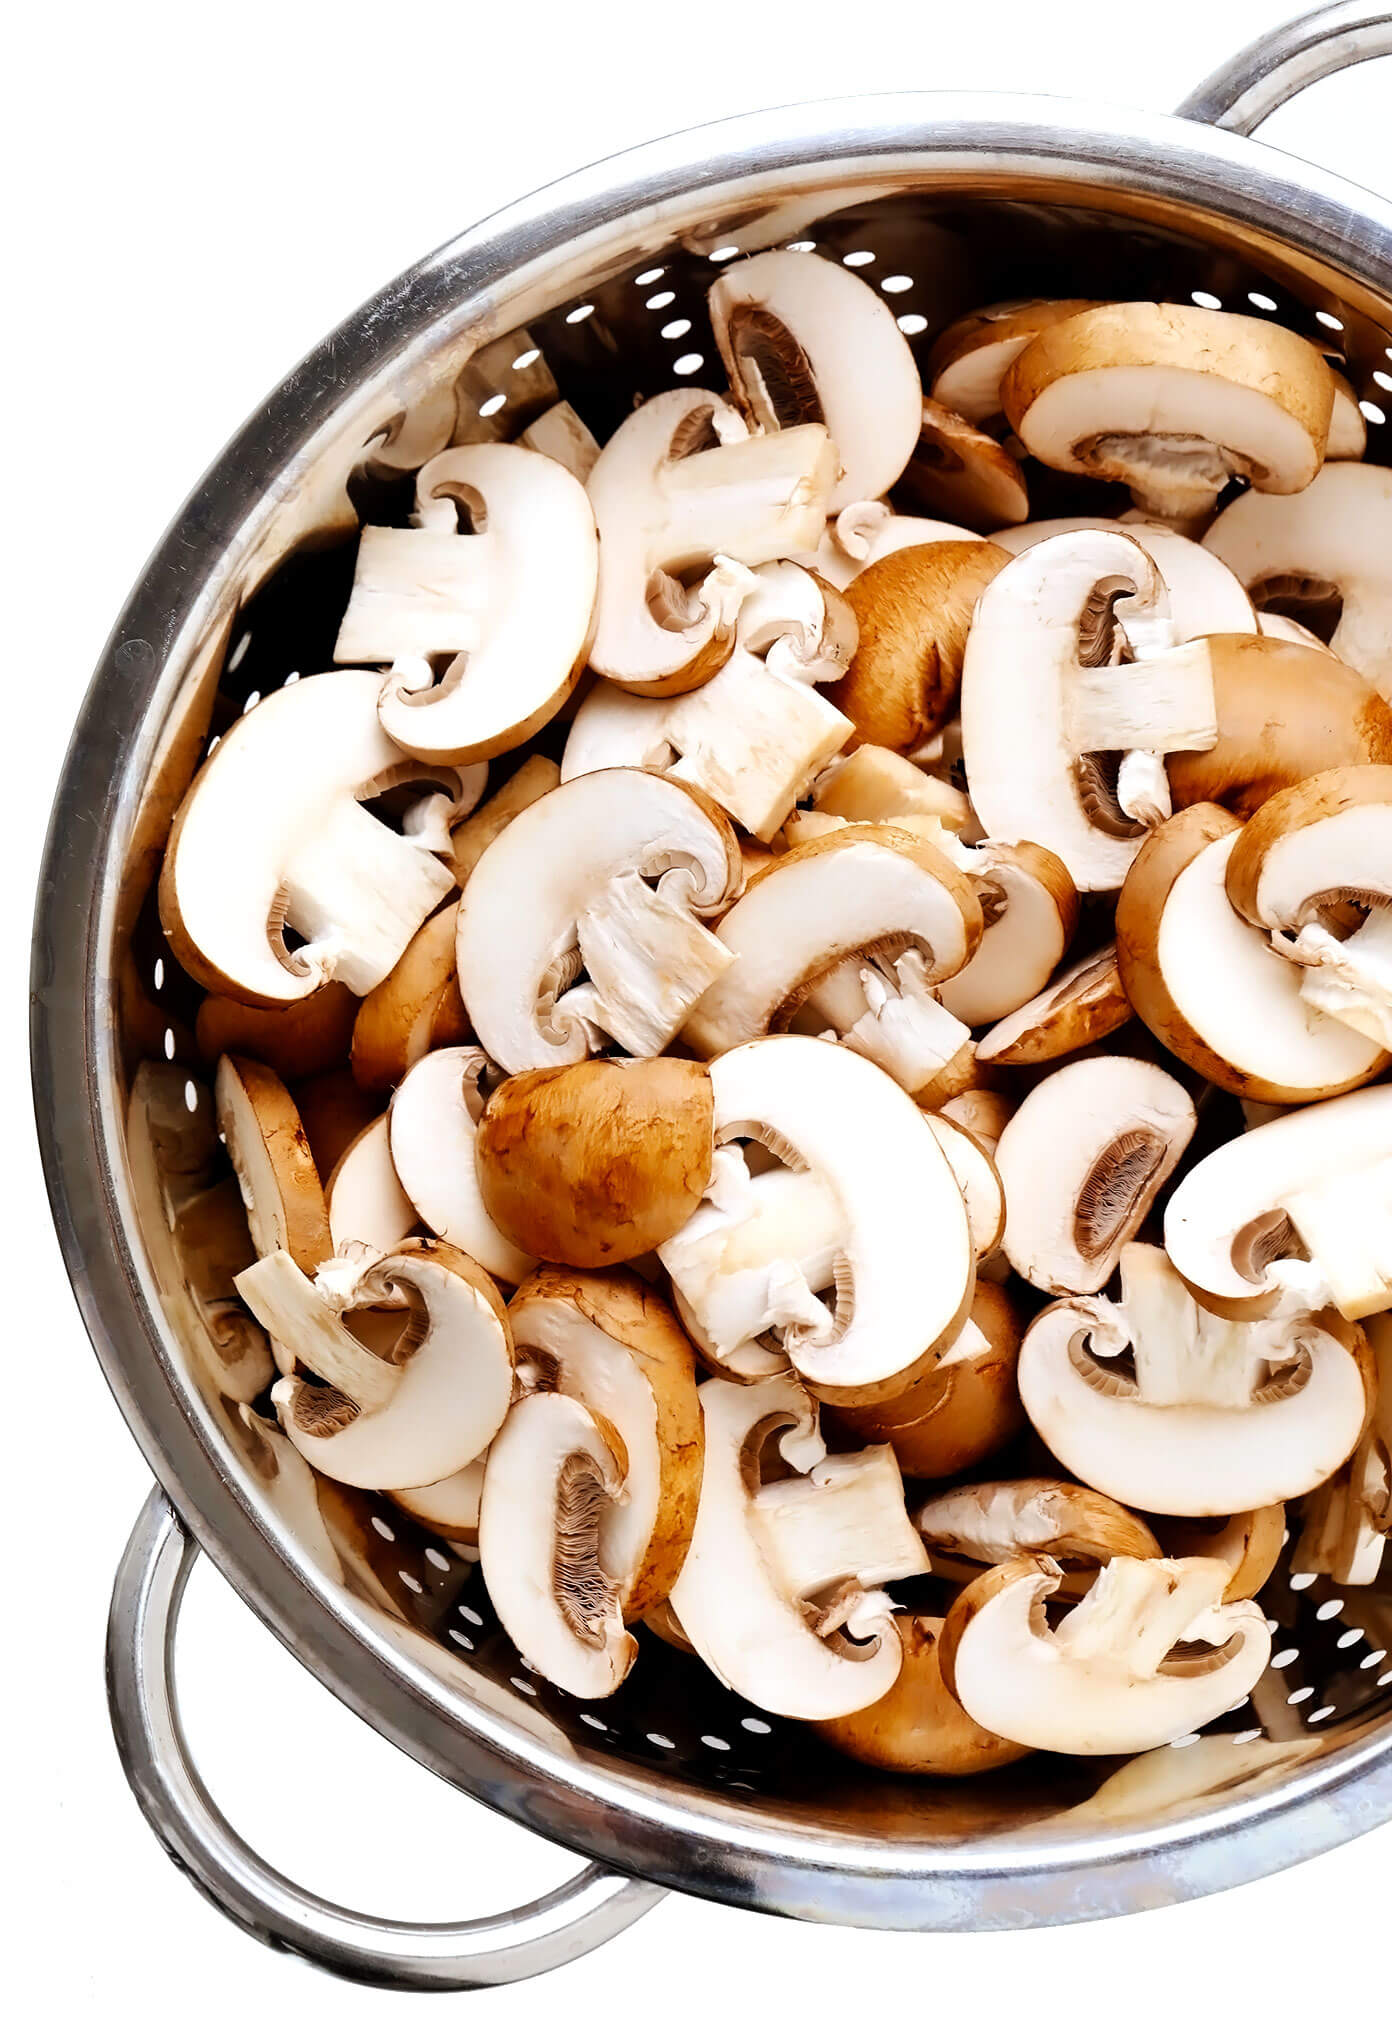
<point x="365" y="1199"/>
<point x="1205" y="596"/>
<point x="433" y="1124"/>
<point x="564" y="436"/>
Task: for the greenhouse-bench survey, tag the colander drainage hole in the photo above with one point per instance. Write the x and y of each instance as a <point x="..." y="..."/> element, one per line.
<point x="1373" y="413"/>
<point x="1206" y="301"/>
<point x="810" y="247"/>
<point x="437" y="1558"/>
<point x="526" y="359"/>
<point x="1248" y="1734"/>
<point x="1349" y="1637"/>
<point x="1301" y="1582"/>
<point x="661" y="300"/>
<point x="648" y="275"/>
<point x="1372" y="1659"/>
<point x="720" y="254"/>
<point x="678" y="328"/>
<point x="1329" y="320"/>
<point x="384" y="1529"/>
<point x="1260" y="302"/>
<point x="1299" y="1698"/>
<point x="492" y="405"/>
<point x="1320" y="1713"/>
<point x="464" y="1641"/>
<point x="861" y="259"/>
<point x="752" y="1725"/>
<point x="714" y="1741"/>
<point x="1283" y="1657"/>
<point x="689" y="363"/>
<point x="912" y="325"/>
<point x="895" y="285"/>
<point x="580" y="313"/>
<point x="191" y="1096"/>
<point x="159" y="976"/>
<point x="660" y="1740"/>
<point x="472" y="1614"/>
<point x="1327" y="1609"/>
<point x="409" y="1580"/>
<point x="590" y="1720"/>
<point x="523" y="1686"/>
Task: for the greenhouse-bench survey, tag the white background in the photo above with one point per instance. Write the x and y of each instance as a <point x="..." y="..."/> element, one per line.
<point x="195" y="194"/>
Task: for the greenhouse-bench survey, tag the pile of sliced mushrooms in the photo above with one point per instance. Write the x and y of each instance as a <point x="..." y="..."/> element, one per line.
<point x="807" y="1055"/>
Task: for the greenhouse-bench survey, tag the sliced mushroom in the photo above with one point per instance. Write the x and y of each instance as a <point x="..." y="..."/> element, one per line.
<point x="918" y="1728"/>
<point x="732" y="1599"/>
<point x="970" y="358"/>
<point x="598" y="1163"/>
<point x="682" y="489"/>
<point x="1346" y="1524"/>
<point x="1348" y="430"/>
<point x="1030" y="911"/>
<point x="913" y="609"/>
<point x="269" y="1151"/>
<point x="866" y="531"/>
<point x="273" y="836"/>
<point x="566" y="887"/>
<point x="1210" y="987"/>
<point x="805" y="340"/>
<point x="365" y="1199"/>
<point x="1081" y="1007"/>
<point x="561" y="434"/>
<point x="983" y="1113"/>
<point x="874" y="785"/>
<point x="978" y="1180"/>
<point x="958" y="470"/>
<point x="1326" y="546"/>
<point x="1285" y="710"/>
<point x="333" y="1108"/>
<point x="904" y="1277"/>
<point x="1173" y="401"/>
<point x="555" y="1473"/>
<point x="863" y="893"/>
<point x="1205" y="597"/>
<point x="527" y="785"/>
<point x="433" y="1128"/>
<point x="1248" y="1543"/>
<point x="294" y="1042"/>
<point x="1292" y="1215"/>
<point x="415" y="1009"/>
<point x="1048" y="715"/>
<point x="1214" y="1415"/>
<point x="1314" y="869"/>
<point x="613" y="1344"/>
<point x="996" y="1520"/>
<point x="756" y="734"/>
<point x="509" y="602"/>
<point x="449" y="1506"/>
<point x="1082" y="1161"/>
<point x="414" y="1417"/>
<point x="1121" y="1673"/>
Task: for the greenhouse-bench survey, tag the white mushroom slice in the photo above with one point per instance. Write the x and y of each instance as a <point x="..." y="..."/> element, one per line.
<point x="1249" y="1543"/>
<point x="970" y="358"/>
<point x="1314" y="854"/>
<point x="1029" y="909"/>
<point x="805" y="340"/>
<point x="273" y="835"/>
<point x="613" y="1344"/>
<point x="868" y="530"/>
<point x="525" y="786"/>
<point x="560" y="434"/>
<point x="983" y="1113"/>
<point x="290" y="1488"/>
<point x="1106" y="1680"/>
<point x="733" y="1601"/>
<point x="1044" y="702"/>
<point x="1329" y="544"/>
<point x="450" y="1506"/>
<point x="978" y="1180"/>
<point x="1208" y="984"/>
<point x="433" y="1126"/>
<point x="270" y="1155"/>
<point x="1173" y="401"/>
<point x="905" y="1275"/>
<point x="958" y="470"/>
<point x="1082" y="1006"/>
<point x="509" y="603"/>
<point x="565" y="887"/>
<point x="1081" y="1162"/>
<point x="1205" y="597"/>
<point x="365" y="1199"/>
<point x="1220" y="1415"/>
<point x="995" y="1520"/>
<point x="1294" y="1214"/>
<point x="553" y="1472"/>
<point x="874" y="785"/>
<point x="1283" y="627"/>
<point x="1348" y="429"/>
<point x="681" y="487"/>
<point x="753" y="737"/>
<point x="402" y="1421"/>
<point x="844" y="1520"/>
<point x="1347" y="1523"/>
<point x="887" y="1011"/>
<point x="858" y="894"/>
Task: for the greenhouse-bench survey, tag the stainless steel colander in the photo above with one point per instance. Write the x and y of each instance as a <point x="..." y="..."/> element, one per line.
<point x="596" y="287"/>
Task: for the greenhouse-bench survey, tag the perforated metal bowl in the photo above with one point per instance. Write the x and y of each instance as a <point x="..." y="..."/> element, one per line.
<point x="598" y="285"/>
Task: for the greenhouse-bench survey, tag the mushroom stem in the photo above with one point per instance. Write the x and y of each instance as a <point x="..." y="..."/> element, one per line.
<point x="1137" y="1609"/>
<point x="887" y="1012"/>
<point x="751" y="1260"/>
<point x="649" y="962"/>
<point x="358" y="893"/>
<point x="845" y="1521"/>
<point x="1186" y="1355"/>
<point x="1343" y="1222"/>
<point x="1163" y="703"/>
<point x="1350" y="979"/>
<point x="294" y="1312"/>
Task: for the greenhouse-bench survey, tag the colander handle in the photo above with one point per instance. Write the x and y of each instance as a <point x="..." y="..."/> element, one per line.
<point x="1251" y="85"/>
<point x="481" y="1952"/>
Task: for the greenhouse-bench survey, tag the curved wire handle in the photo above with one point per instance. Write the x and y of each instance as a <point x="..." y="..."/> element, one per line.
<point x="1247" y="89"/>
<point x="480" y="1952"/>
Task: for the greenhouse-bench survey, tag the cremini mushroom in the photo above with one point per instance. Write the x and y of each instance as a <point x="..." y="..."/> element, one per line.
<point x="1151" y="1653"/>
<point x="450" y="1506"/>
<point x="874" y="785"/>
<point x="983" y="1112"/>
<point x="1348" y="428"/>
<point x="364" y="1195"/>
<point x="868" y="530"/>
<point x="1205" y="597"/>
<point x="554" y="1474"/>
<point x="295" y="1042"/>
<point x="1248" y="1543"/>
<point x="610" y="1341"/>
<point x="273" y="835"/>
<point x="525" y="786"/>
<point x="957" y="470"/>
<point x="685" y="498"/>
<point x="415" y="1009"/>
<point x="918" y="1728"/>
<point x="408" y="1419"/>
<point x="753" y="737"/>
<point x="1082" y="1161"/>
<point x="269" y="1152"/>
<point x="805" y="340"/>
<point x="992" y="1521"/>
<point x="1346" y="1524"/>
<point x="433" y="1129"/>
<point x="1293" y="1214"/>
<point x="1214" y="1415"/>
<point x="1173" y="401"/>
<point x="1326" y="546"/>
<point x="969" y="359"/>
<point x="1313" y="868"/>
<point x="509" y="603"/>
<point x="333" y="1108"/>
<point x="978" y="1180"/>
<point x="1209" y="986"/>
<point x="562" y="435"/>
<point x="597" y="1163"/>
<point x="566" y="887"/>
<point x="1285" y="710"/>
<point x="734" y="1599"/>
<point x="905" y="1271"/>
<point x="1063" y="745"/>
<point x="1083" y="1005"/>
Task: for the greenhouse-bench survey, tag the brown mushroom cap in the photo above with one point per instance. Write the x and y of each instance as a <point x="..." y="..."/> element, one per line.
<point x="959" y="473"/>
<point x="918" y="1728"/>
<point x="1249" y="1544"/>
<point x="1082" y="1006"/>
<point x="1326" y="795"/>
<point x="1284" y="711"/>
<point x="270" y="1154"/>
<point x="968" y="360"/>
<point x="295" y="1042"/>
<point x="333" y="1110"/>
<point x="665" y="1625"/>
<point x="416" y="1009"/>
<point x="596" y="1163"/>
<point x="525" y="786"/>
<point x="913" y="608"/>
<point x="969" y="1527"/>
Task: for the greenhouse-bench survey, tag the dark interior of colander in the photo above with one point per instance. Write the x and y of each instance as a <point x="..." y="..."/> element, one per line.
<point x="934" y="255"/>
